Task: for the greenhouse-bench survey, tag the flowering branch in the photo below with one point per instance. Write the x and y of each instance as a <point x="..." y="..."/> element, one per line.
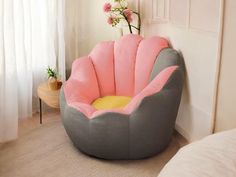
<point x="119" y="11"/>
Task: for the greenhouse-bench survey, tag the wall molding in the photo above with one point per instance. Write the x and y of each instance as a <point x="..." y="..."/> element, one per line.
<point x="186" y="25"/>
<point x="167" y="19"/>
<point x="159" y="19"/>
<point x="196" y="28"/>
<point x="219" y="61"/>
<point x="184" y="133"/>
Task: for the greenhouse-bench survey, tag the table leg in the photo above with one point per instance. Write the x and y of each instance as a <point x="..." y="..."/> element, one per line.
<point x="40" y="110"/>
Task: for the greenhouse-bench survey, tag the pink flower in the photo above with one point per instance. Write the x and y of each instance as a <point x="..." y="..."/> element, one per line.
<point x="128" y="13"/>
<point x="107" y="7"/>
<point x="110" y="20"/>
<point x="130" y="19"/>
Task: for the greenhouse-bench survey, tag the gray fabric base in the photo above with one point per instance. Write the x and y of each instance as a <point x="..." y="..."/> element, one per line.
<point x="144" y="133"/>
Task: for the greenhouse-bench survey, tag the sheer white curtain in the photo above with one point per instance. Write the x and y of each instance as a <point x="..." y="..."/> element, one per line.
<point x="31" y="38"/>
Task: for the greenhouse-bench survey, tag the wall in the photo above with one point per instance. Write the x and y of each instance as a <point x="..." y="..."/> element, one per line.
<point x="85" y="27"/>
<point x="195" y="35"/>
<point x="226" y="112"/>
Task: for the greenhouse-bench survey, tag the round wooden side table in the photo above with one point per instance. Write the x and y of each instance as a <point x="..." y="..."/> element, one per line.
<point x="48" y="96"/>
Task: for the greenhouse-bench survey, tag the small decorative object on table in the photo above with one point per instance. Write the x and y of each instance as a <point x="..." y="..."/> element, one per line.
<point x="48" y="92"/>
<point x="119" y="11"/>
<point x="53" y="82"/>
<point x="48" y="96"/>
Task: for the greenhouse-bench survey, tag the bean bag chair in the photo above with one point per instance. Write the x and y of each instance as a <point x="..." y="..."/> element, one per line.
<point x="121" y="101"/>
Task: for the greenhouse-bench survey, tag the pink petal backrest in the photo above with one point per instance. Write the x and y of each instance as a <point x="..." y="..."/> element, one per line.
<point x="125" y="52"/>
<point x="103" y="62"/>
<point x="82" y="85"/>
<point x="122" y="68"/>
<point x="146" y="56"/>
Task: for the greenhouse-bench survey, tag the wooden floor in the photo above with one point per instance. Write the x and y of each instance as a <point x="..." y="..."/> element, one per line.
<point x="46" y="151"/>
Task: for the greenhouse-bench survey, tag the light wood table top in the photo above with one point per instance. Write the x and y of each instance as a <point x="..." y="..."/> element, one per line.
<point x="48" y="96"/>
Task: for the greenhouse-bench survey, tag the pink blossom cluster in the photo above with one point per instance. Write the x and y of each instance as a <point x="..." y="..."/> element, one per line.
<point x="110" y="20"/>
<point x="119" y="11"/>
<point x="107" y="7"/>
<point x="116" y="13"/>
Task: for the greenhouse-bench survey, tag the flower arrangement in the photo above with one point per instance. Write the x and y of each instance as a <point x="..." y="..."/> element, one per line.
<point x="119" y="11"/>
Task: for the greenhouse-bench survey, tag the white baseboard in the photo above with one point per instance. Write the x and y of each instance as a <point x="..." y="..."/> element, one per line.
<point x="182" y="132"/>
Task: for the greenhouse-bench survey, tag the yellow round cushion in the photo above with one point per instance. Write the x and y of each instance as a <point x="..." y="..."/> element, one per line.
<point x="111" y="102"/>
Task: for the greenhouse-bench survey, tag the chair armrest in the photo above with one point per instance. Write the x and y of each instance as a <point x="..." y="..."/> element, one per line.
<point x="153" y="87"/>
<point x="82" y="85"/>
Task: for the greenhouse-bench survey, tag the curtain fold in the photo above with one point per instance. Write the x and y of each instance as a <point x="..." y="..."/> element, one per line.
<point x="31" y="39"/>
